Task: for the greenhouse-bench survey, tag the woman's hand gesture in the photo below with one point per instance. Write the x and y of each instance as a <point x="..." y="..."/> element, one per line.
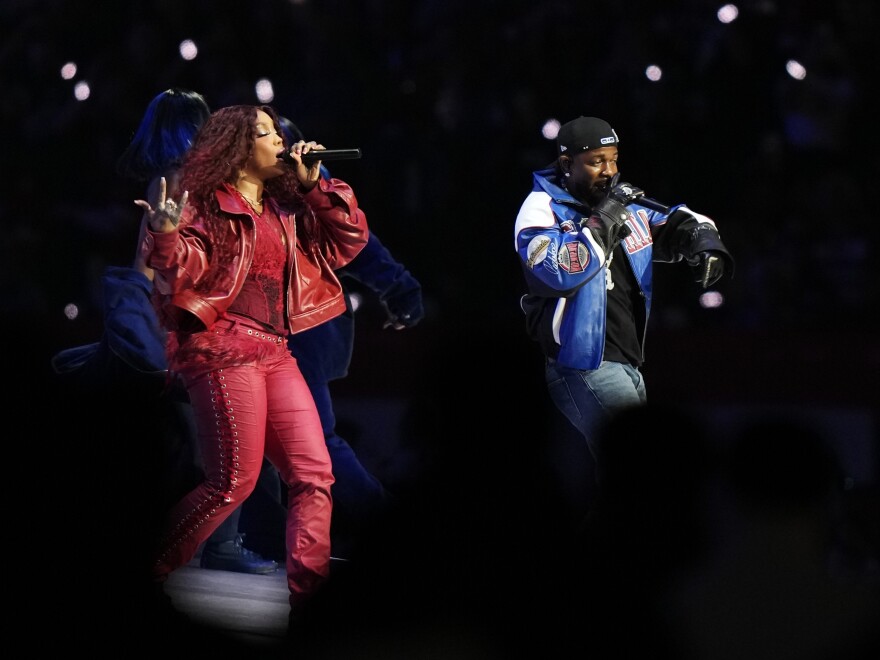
<point x="166" y="215"/>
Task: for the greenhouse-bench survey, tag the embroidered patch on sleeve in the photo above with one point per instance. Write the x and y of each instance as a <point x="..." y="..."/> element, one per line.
<point x="537" y="250"/>
<point x="574" y="257"/>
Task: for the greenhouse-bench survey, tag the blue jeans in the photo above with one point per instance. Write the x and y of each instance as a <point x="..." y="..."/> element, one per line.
<point x="588" y="397"/>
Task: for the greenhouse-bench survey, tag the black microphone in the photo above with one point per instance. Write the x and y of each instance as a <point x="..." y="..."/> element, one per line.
<point x="322" y="154"/>
<point x="652" y="204"/>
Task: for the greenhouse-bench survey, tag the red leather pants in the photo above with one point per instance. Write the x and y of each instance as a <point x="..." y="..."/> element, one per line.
<point x="240" y="412"/>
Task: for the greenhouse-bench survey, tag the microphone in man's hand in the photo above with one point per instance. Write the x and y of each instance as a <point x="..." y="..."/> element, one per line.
<point x="322" y="155"/>
<point x="652" y="204"/>
<point x="627" y="193"/>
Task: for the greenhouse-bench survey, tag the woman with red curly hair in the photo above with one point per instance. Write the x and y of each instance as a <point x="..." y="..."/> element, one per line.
<point x="245" y="257"/>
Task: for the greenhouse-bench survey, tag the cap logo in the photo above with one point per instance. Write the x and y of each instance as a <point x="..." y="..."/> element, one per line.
<point x="584" y="134"/>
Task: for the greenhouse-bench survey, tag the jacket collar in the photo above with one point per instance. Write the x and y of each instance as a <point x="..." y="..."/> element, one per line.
<point x="231" y="201"/>
<point x="548" y="181"/>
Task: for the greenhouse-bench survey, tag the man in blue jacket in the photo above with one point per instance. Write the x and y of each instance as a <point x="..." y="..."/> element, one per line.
<point x="586" y="243"/>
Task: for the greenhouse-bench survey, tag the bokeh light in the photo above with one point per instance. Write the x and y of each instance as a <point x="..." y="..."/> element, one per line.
<point x="188" y="49"/>
<point x="68" y="71"/>
<point x="264" y="90"/>
<point x="82" y="90"/>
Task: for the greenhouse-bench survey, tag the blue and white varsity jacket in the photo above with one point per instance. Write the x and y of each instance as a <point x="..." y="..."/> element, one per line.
<point x="565" y="266"/>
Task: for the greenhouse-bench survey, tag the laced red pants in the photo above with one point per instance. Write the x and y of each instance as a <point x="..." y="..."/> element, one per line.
<point x="240" y="412"/>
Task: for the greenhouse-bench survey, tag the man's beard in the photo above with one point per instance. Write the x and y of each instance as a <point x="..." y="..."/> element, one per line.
<point x="594" y="194"/>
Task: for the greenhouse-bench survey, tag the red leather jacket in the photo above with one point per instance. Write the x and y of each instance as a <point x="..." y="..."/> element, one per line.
<point x="315" y="295"/>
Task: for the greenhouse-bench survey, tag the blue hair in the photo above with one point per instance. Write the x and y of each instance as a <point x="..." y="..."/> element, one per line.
<point x="164" y="135"/>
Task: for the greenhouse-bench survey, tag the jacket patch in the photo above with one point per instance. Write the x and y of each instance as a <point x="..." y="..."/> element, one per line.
<point x="537" y="250"/>
<point x="640" y="235"/>
<point x="574" y="257"/>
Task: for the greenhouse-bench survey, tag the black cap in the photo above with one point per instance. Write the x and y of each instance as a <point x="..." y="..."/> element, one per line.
<point x="585" y="133"/>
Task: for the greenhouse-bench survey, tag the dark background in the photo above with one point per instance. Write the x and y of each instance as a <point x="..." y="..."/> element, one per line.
<point x="446" y="101"/>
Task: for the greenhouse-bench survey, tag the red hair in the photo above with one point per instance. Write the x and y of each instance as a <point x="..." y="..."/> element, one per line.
<point x="221" y="150"/>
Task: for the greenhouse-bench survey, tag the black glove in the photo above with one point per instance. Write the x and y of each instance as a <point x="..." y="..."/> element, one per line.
<point x="708" y="267"/>
<point x="625" y="193"/>
<point x="404" y="310"/>
<point x="608" y="218"/>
